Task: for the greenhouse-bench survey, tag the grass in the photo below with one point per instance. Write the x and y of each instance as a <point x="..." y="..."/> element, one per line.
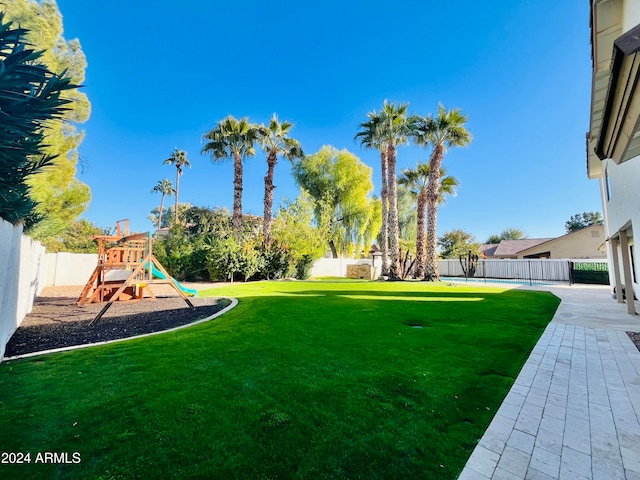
<point x="318" y="379"/>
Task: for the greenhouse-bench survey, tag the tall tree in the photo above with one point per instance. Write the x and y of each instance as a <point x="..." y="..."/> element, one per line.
<point x="444" y="131"/>
<point x="165" y="188"/>
<point x="78" y="238"/>
<point x="417" y="180"/>
<point x="275" y="140"/>
<point x="30" y="99"/>
<point x="341" y="186"/>
<point x="370" y="137"/>
<point x="395" y="127"/>
<point x="232" y="139"/>
<point x="60" y="197"/>
<point x="180" y="160"/>
<point x="294" y="229"/>
<point x="510" y="233"/>
<point x="457" y="242"/>
<point x="583" y="220"/>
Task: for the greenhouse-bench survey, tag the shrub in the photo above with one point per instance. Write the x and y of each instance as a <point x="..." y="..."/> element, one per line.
<point x="303" y="267"/>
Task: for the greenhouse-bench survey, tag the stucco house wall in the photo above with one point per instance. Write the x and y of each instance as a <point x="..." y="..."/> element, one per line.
<point x="613" y="142"/>
<point x="585" y="243"/>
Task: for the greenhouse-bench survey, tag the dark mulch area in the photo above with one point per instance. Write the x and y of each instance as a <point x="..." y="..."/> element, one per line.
<point x="56" y="321"/>
<point x="635" y="338"/>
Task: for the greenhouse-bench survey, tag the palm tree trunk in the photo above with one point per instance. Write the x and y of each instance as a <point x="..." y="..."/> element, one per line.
<point x="394" y="229"/>
<point x="384" y="231"/>
<point x="431" y="269"/>
<point x="420" y="258"/>
<point x="268" y="197"/>
<point x="237" y="194"/>
<point x="177" y="190"/>
<point x="160" y="215"/>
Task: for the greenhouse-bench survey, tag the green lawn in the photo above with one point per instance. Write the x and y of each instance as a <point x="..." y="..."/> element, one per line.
<point x="314" y="380"/>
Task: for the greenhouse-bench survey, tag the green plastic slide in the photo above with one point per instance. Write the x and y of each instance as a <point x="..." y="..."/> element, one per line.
<point x="187" y="291"/>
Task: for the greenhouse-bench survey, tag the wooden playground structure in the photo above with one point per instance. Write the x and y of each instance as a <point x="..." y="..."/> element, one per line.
<point x="126" y="270"/>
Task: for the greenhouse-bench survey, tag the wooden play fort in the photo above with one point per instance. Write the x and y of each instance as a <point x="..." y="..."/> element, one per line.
<point x="126" y="270"/>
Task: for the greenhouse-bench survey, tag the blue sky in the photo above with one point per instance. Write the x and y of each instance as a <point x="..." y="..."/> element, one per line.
<point x="162" y="73"/>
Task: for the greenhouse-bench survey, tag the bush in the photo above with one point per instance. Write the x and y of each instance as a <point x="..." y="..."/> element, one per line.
<point x="303" y="267"/>
<point x="277" y="263"/>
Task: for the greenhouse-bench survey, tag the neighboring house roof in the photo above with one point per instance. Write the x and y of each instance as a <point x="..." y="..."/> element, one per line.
<point x="510" y="248"/>
<point x="489" y="249"/>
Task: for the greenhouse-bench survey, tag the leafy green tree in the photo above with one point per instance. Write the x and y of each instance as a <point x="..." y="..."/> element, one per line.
<point x="175" y="251"/>
<point x="77" y="238"/>
<point x="30" y="98"/>
<point x="583" y="220"/>
<point x="232" y="139"/>
<point x="206" y="240"/>
<point x="340" y="185"/>
<point x="230" y="258"/>
<point x="507" y="234"/>
<point x="393" y="128"/>
<point x="168" y="214"/>
<point x="204" y="222"/>
<point x="59" y="196"/>
<point x="444" y="131"/>
<point x="275" y="141"/>
<point x="179" y="159"/>
<point x="165" y="188"/>
<point x="370" y="136"/>
<point x="295" y="232"/>
<point x="457" y="242"/>
<point x="417" y="181"/>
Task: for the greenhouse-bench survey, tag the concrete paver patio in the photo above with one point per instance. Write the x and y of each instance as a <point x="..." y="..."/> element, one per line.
<point x="574" y="410"/>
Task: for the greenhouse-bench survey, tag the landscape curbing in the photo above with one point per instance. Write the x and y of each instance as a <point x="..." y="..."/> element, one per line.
<point x="234" y="302"/>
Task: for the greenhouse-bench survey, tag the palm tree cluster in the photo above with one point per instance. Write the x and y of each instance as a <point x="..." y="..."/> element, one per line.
<point x="235" y="139"/>
<point x="384" y="131"/>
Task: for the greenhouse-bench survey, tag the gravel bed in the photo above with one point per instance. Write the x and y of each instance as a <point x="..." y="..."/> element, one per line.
<point x="635" y="338"/>
<point x="56" y="321"/>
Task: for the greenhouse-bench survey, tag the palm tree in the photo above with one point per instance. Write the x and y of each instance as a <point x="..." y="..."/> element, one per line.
<point x="394" y="129"/>
<point x="417" y="181"/>
<point x="275" y="141"/>
<point x="232" y="139"/>
<point x="165" y="188"/>
<point x="370" y="137"/>
<point x="180" y="160"/>
<point x="444" y="131"/>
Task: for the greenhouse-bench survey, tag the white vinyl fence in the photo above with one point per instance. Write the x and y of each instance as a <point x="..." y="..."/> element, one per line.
<point x="528" y="271"/>
<point x="532" y="271"/>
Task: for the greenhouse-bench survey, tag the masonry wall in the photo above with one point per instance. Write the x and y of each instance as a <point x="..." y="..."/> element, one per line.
<point x="337" y="267"/>
<point x="332" y="267"/>
<point x="23" y="267"/>
<point x="70" y="268"/>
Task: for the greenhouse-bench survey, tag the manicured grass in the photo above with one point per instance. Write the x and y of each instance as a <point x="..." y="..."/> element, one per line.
<point x="317" y="379"/>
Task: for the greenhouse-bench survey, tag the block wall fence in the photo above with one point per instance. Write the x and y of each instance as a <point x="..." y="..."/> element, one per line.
<point x="26" y="269"/>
